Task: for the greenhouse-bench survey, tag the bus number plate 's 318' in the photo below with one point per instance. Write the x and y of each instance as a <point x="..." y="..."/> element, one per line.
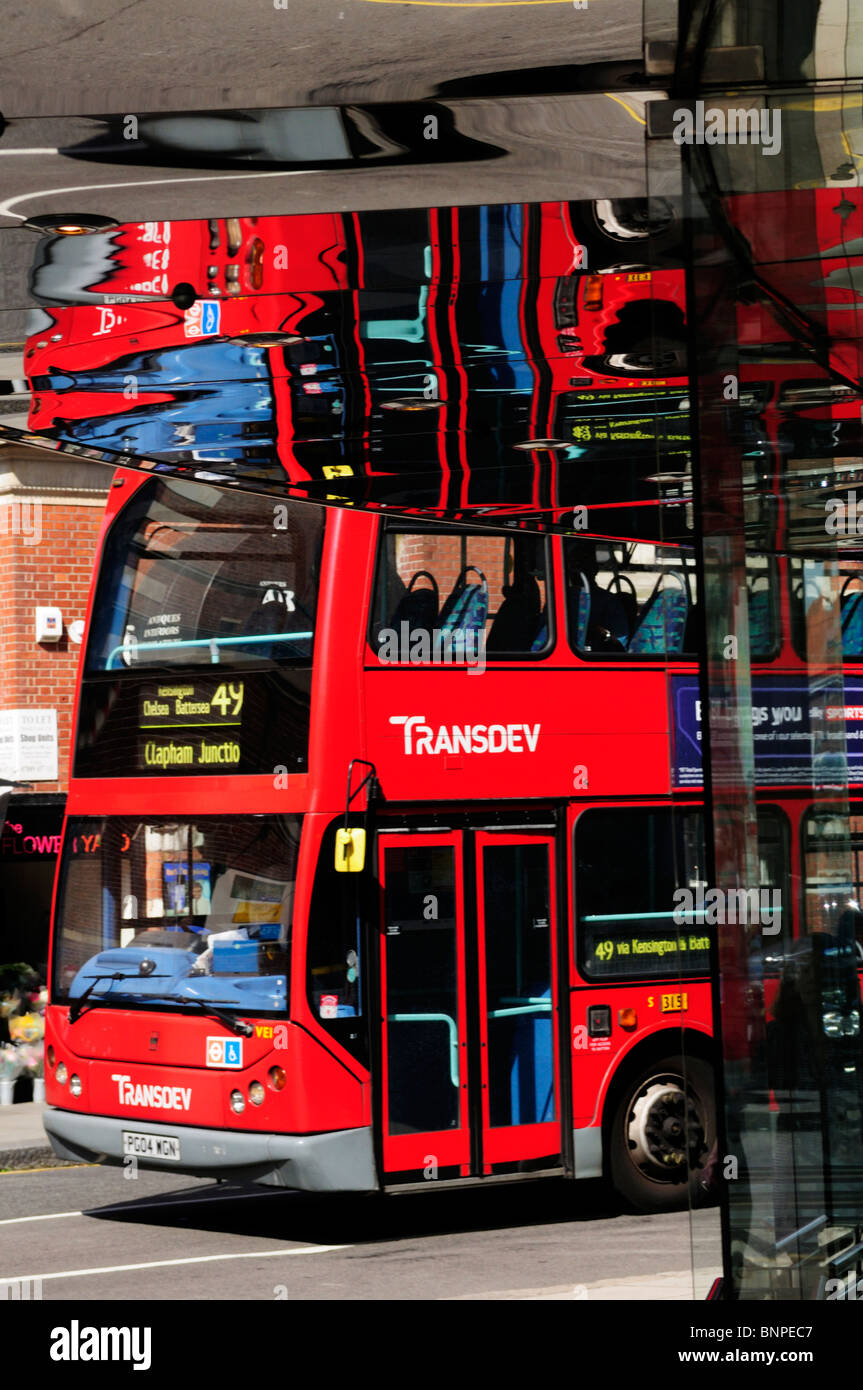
<point x="151" y="1145"/>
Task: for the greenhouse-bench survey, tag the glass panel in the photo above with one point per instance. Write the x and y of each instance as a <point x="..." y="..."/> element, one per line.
<point x="421" y="988"/>
<point x="630" y="598"/>
<point x="630" y="927"/>
<point x="180" y="910"/>
<point x="626" y="926"/>
<point x="332" y="954"/>
<point x="520" y="1018"/>
<point x="193" y="574"/>
<point x="335" y="970"/>
<point x="452" y="596"/>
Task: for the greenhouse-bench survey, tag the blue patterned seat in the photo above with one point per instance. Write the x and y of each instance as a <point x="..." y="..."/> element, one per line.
<point x="663" y="619"/>
<point x="466" y="609"/>
<point x="852" y="618"/>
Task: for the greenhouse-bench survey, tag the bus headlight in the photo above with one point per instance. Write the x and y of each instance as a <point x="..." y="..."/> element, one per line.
<point x="62" y="1074"/>
<point x="238" y="1102"/>
<point x="52" y="1056"/>
<point x="277" y="1078"/>
<point x="75" y="1085"/>
<point x="256" y="1093"/>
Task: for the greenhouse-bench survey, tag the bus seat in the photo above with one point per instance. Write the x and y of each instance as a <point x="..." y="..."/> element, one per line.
<point x="541" y="638"/>
<point x="532" y="1070"/>
<point x="269" y="618"/>
<point x="466" y="609"/>
<point x="852" y="618"/>
<point x="516" y="621"/>
<point x="610" y="627"/>
<point x="582" y="612"/>
<point x="692" y="631"/>
<point x="663" y="620"/>
<point x="760" y="625"/>
<point x="418" y="607"/>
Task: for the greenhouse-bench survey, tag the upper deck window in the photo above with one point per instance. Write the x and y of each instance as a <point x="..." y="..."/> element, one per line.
<point x="194" y="575"/>
<point x="637" y="598"/>
<point x="827" y="608"/>
<point x="455" y="597"/>
<point x="630" y="598"/>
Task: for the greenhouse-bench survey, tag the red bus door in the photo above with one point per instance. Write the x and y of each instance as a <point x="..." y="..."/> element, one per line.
<point x="423" y="1014"/>
<point x="461" y="1100"/>
<point x="518" y="999"/>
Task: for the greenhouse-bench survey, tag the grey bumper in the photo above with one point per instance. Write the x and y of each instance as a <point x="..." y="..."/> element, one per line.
<point x="341" y="1161"/>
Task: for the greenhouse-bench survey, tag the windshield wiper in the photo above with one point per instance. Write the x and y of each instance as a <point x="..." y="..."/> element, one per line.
<point x="236" y="1025"/>
<point x="78" y="1004"/>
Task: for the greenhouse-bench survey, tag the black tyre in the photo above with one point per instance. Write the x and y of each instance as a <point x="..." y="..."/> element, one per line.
<point x="662" y="1130"/>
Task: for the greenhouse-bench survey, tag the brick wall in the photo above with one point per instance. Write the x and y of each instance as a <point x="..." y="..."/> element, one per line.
<point x="445" y="556"/>
<point x="47" y="552"/>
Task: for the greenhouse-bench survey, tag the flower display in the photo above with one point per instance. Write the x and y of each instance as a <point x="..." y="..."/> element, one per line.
<point x="11" y="1064"/>
<point x="32" y="1059"/>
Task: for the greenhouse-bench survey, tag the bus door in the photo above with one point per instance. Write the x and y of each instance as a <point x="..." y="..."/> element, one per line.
<point x="423" y="1010"/>
<point x="470" y="1058"/>
<point x="518" y="998"/>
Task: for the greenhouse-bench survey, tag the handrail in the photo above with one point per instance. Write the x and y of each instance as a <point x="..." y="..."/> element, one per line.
<point x="539" y="1006"/>
<point x="210" y="642"/>
<point x="453" y="1036"/>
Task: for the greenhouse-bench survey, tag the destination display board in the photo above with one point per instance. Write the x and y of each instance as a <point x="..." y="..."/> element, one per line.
<point x="617" y="949"/>
<point x="193" y="725"/>
<point x="190" y="724"/>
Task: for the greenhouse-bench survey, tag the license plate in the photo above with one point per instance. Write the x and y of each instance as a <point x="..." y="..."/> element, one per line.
<point x="151" y="1145"/>
<point x="674" y="1003"/>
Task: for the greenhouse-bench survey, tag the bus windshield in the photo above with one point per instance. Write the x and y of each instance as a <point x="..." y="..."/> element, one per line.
<point x="188" y="909"/>
<point x="195" y="575"/>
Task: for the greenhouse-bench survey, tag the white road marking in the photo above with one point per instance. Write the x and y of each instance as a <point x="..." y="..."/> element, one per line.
<point x="6" y="208"/>
<point x="51" y="1216"/>
<point x="46" y="151"/>
<point x="164" y="1264"/>
<point x="135" y="1205"/>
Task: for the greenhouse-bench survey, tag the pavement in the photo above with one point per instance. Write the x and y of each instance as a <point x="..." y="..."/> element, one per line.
<point x="23" y="1141"/>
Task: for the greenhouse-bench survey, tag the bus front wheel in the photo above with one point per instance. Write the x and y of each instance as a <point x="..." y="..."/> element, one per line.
<point x="662" y="1131"/>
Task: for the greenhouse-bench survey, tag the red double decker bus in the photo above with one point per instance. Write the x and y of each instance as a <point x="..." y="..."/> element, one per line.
<point x="342" y="909"/>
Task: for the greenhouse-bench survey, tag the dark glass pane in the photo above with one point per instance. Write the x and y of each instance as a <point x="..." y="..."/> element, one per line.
<point x="518" y="981"/>
<point x="421" y="988"/>
<point x="208" y="902"/>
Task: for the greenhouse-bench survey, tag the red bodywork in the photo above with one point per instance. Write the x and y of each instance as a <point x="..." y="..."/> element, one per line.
<point x="611" y="721"/>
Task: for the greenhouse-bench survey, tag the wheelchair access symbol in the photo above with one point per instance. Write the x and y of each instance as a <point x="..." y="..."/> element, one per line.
<point x="224" y="1052"/>
<point x="203" y="319"/>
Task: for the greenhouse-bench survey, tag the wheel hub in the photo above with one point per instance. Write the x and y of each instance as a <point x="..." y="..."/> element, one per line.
<point x="664" y="1128"/>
